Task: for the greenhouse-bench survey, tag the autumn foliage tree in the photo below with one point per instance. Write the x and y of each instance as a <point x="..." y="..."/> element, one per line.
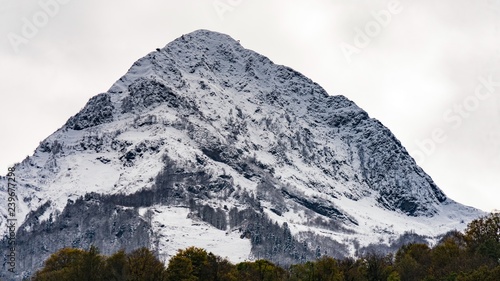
<point x="143" y="265"/>
<point x="116" y="267"/>
<point x="413" y="261"/>
<point x="63" y="265"/>
<point x="80" y="265"/>
<point x="260" y="270"/>
<point x="196" y="264"/>
<point x="483" y="236"/>
<point x="325" y="268"/>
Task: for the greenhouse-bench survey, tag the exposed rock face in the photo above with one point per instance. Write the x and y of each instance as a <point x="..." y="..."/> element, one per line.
<point x="206" y="143"/>
<point x="99" y="110"/>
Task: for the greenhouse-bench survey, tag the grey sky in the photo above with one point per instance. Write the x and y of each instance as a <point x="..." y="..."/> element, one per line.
<point x="429" y="70"/>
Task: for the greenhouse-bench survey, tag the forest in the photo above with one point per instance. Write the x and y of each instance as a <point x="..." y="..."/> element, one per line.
<point x="471" y="255"/>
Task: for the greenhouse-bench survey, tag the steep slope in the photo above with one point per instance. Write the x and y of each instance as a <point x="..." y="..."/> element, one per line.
<point x="207" y="143"/>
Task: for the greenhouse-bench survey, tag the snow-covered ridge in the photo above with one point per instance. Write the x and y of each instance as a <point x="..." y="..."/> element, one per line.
<point x="218" y="133"/>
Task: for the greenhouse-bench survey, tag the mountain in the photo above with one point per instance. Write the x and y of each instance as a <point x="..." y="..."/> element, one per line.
<point x="206" y="143"/>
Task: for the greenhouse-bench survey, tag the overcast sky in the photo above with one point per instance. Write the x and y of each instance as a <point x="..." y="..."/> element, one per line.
<point x="429" y="70"/>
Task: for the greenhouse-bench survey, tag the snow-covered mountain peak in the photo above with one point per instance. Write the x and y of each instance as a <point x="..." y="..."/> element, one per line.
<point x="225" y="144"/>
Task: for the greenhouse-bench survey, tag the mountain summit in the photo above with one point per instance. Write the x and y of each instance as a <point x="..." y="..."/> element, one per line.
<point x="205" y="143"/>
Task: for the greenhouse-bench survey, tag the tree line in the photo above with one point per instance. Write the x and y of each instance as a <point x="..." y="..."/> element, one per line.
<point x="463" y="256"/>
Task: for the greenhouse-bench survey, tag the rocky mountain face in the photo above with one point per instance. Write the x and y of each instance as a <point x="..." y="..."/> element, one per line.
<point x="206" y="143"/>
